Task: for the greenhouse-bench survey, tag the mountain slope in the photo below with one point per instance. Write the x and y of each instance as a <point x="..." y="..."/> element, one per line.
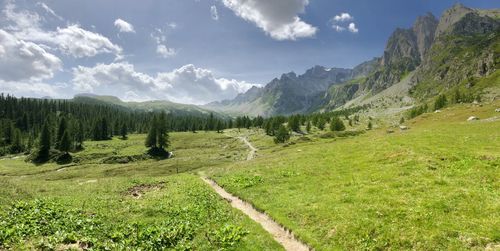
<point x="157" y="105"/>
<point x="286" y="95"/>
<point x="432" y="57"/>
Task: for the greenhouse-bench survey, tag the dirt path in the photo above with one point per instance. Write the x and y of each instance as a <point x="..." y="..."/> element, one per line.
<point x="253" y="150"/>
<point x="281" y="235"/>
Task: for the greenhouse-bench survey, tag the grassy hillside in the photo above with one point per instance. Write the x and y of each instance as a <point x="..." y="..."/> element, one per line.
<point x="434" y="186"/>
<point x="102" y="204"/>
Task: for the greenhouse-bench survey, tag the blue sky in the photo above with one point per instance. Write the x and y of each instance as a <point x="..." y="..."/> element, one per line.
<point x="189" y="51"/>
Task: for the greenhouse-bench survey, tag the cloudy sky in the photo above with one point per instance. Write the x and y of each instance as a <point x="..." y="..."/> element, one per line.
<point x="188" y="51"/>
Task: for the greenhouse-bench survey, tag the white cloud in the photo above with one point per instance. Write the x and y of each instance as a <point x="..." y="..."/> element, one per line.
<point x="71" y="40"/>
<point x="124" y="26"/>
<point x="337" y="21"/>
<point x="338" y="28"/>
<point x="49" y="10"/>
<point x="343" y="17"/>
<point x="161" y="48"/>
<point x="111" y="77"/>
<point x="352" y="28"/>
<point x="187" y="84"/>
<point x="213" y="12"/>
<point x="164" y="51"/>
<point x="278" y="18"/>
<point x="31" y="89"/>
<point x="21" y="60"/>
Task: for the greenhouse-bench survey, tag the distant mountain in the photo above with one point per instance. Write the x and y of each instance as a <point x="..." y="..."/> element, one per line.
<point x="288" y="94"/>
<point x="158" y="105"/>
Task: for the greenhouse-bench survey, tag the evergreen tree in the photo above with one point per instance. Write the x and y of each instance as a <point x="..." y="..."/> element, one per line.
<point x="336" y="124"/>
<point x="61" y="129"/>
<point x="123" y="131"/>
<point x="308" y="126"/>
<point x="370" y="125"/>
<point x="321" y="123"/>
<point x="79" y="136"/>
<point x="402" y="120"/>
<point x="17" y="144"/>
<point x="440" y="102"/>
<point x="65" y="143"/>
<point x="219" y="126"/>
<point x="162" y="134"/>
<point x="151" y="139"/>
<point x="282" y="135"/>
<point x="294" y="123"/>
<point x="44" y="143"/>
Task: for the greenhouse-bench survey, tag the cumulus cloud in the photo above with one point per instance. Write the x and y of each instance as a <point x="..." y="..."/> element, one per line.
<point x="161" y="48"/>
<point x="71" y="40"/>
<point x="213" y="13"/>
<point x="21" y="60"/>
<point x="124" y="26"/>
<point x="343" y="17"/>
<point x="352" y="28"/>
<point x="31" y="89"/>
<point x="278" y="18"/>
<point x="338" y="23"/>
<point x="187" y="84"/>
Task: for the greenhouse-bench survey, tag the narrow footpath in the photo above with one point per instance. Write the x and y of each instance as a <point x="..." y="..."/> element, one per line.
<point x="280" y="234"/>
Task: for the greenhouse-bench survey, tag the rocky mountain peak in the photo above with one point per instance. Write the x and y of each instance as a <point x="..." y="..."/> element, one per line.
<point x="424" y="29"/>
<point x="450" y="17"/>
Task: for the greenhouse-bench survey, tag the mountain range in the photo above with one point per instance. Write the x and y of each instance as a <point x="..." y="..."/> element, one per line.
<point x="431" y="57"/>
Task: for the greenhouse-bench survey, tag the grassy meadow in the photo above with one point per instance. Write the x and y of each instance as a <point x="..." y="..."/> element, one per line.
<point x="142" y="204"/>
<point x="435" y="186"/>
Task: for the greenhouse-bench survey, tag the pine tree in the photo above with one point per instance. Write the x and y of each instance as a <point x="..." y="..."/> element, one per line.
<point x="336" y="124"/>
<point x="308" y="126"/>
<point x="370" y="125"/>
<point x="79" y="136"/>
<point x="219" y="126"/>
<point x="402" y="120"/>
<point x="44" y="143"/>
<point x="321" y="123"/>
<point x="65" y="143"/>
<point x="17" y="144"/>
<point x="162" y="134"/>
<point x="151" y="139"/>
<point x="61" y="129"/>
<point x="282" y="135"/>
<point x="123" y="131"/>
<point x="294" y="123"/>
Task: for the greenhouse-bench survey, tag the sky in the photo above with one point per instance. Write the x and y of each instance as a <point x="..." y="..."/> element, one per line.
<point x="189" y="51"/>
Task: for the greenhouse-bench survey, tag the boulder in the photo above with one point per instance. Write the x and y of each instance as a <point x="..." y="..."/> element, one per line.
<point x="403" y="128"/>
<point x="497" y="110"/>
<point x="472" y="118"/>
<point x="437" y="111"/>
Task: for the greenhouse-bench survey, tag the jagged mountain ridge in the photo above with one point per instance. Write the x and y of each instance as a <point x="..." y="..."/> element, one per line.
<point x="435" y="55"/>
<point x="291" y="93"/>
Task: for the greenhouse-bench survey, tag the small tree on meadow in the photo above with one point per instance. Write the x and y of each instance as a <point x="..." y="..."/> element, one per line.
<point x="44" y="143"/>
<point x="282" y="135"/>
<point x="370" y="125"/>
<point x="336" y="124"/>
<point x="321" y="124"/>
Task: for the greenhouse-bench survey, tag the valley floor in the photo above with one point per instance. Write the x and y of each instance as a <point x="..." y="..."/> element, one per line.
<point x="434" y="186"/>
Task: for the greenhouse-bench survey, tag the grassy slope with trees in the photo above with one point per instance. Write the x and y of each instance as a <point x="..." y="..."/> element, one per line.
<point x="108" y="198"/>
<point x="434" y="186"/>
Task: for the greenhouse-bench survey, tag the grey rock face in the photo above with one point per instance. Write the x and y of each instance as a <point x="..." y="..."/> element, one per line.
<point x="424" y="29"/>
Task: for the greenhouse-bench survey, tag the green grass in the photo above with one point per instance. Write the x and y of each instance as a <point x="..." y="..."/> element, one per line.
<point x="178" y="209"/>
<point x="435" y="186"/>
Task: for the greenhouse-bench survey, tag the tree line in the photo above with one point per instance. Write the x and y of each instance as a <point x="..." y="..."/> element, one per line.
<point x="68" y="124"/>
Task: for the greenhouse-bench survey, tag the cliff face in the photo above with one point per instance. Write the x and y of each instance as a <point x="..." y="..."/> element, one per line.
<point x="424" y="30"/>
